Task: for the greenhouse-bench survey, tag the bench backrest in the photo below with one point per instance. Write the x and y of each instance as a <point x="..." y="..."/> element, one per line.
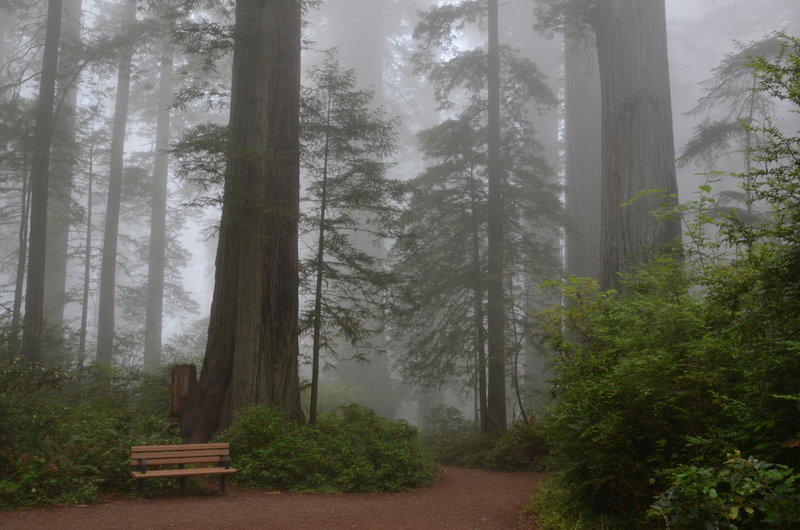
<point x="162" y="455"/>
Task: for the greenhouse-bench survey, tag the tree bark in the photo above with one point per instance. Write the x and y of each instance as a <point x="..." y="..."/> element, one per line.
<point x="496" y="391"/>
<point x="637" y="140"/>
<point x="59" y="205"/>
<point x="478" y="300"/>
<point x="583" y="159"/>
<point x="252" y="351"/>
<point x="108" y="267"/>
<point x="158" y="220"/>
<point x="40" y="172"/>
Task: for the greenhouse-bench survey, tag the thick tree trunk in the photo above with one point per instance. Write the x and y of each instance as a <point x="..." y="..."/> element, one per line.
<point x="583" y="159"/>
<point x="158" y="220"/>
<point x="252" y="351"/>
<point x="496" y="391"/>
<point x="40" y="171"/>
<point x="108" y="267"/>
<point x="638" y="149"/>
<point x="59" y="205"/>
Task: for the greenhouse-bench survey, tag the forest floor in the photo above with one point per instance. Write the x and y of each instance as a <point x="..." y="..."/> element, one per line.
<point x="461" y="499"/>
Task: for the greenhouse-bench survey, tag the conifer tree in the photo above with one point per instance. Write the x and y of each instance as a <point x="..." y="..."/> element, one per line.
<point x="345" y="147"/>
<point x="475" y="153"/>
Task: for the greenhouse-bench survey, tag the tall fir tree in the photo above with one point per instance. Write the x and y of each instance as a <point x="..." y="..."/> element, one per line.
<point x="345" y="150"/>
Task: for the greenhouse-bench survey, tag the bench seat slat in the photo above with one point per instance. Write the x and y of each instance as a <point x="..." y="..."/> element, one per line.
<point x="178" y="460"/>
<point x="156" y="473"/>
<point x="179" y="454"/>
<point x="184" y="447"/>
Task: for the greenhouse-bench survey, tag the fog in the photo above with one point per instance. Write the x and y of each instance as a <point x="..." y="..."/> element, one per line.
<point x="419" y="357"/>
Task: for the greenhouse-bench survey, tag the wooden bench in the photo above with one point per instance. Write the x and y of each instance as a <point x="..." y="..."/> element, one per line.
<point x="159" y="461"/>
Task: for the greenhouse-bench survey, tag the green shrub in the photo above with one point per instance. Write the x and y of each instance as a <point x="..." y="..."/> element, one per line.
<point x="554" y="507"/>
<point x="272" y="453"/>
<point x="353" y="450"/>
<point x="371" y="453"/>
<point x="66" y="437"/>
<point x="740" y="494"/>
<point x="686" y="366"/>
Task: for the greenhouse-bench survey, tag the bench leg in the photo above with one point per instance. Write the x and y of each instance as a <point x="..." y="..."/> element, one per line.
<point x="139" y="486"/>
<point x="183" y="484"/>
<point x="222" y="484"/>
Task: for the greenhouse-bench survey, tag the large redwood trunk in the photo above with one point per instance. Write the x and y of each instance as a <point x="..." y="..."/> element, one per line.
<point x="583" y="161"/>
<point x="252" y="351"/>
<point x="40" y="174"/>
<point x="59" y="206"/>
<point x="496" y="379"/>
<point x="638" y="149"/>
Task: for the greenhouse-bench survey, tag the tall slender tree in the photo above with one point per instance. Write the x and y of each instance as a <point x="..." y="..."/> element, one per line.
<point x="158" y="222"/>
<point x="108" y="267"/>
<point x="252" y="352"/>
<point x="489" y="146"/>
<point x="367" y="55"/>
<point x="40" y="172"/>
<point x="59" y="205"/>
<point x="495" y="309"/>
<point x="345" y="146"/>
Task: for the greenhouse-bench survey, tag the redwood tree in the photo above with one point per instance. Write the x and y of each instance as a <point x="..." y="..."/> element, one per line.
<point x="252" y="351"/>
<point x="638" y="153"/>
<point x="59" y="204"/>
<point x="496" y="379"/>
<point x="158" y="217"/>
<point x="40" y="173"/>
<point x="108" y="268"/>
<point x="583" y="162"/>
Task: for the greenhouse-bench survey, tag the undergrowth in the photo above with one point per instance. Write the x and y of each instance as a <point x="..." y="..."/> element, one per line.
<point x="66" y="436"/>
<point x="454" y="440"/>
<point x="352" y="450"/>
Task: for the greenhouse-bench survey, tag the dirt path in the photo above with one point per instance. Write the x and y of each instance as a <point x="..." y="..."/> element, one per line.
<point x="462" y="499"/>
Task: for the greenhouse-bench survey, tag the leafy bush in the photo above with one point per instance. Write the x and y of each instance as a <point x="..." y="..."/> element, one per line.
<point x="740" y="494"/>
<point x="686" y="367"/>
<point x="66" y="437"/>
<point x="554" y="507"/>
<point x="353" y="450"/>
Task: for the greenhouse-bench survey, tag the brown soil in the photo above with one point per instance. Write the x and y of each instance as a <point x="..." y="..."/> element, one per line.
<point x="461" y="499"/>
